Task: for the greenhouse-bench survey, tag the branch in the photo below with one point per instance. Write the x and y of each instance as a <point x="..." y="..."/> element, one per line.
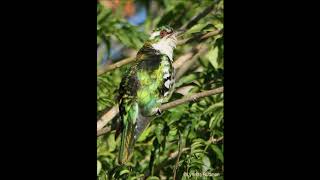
<point x="107" y="117"/>
<point x="114" y="110"/>
<point x="108" y="67"/>
<point x="103" y="131"/>
<point x="214" y="141"/>
<point x="193" y="97"/>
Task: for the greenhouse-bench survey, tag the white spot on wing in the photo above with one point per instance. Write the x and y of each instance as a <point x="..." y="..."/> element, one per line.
<point x="166" y="75"/>
<point x="167" y="84"/>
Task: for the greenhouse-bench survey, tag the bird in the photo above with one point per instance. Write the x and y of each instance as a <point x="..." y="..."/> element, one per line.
<point x="147" y="84"/>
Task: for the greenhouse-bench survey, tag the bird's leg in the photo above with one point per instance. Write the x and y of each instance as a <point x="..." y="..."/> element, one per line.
<point x="158" y="112"/>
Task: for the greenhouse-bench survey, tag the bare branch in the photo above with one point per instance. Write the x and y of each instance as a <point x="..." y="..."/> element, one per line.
<point x="107" y="117"/>
<point x="182" y="59"/>
<point x="103" y="131"/>
<point x="193" y="97"/>
<point x="108" y="67"/>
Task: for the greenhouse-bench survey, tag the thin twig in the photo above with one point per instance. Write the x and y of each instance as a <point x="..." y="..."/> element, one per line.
<point x="175" y="154"/>
<point x="213" y="140"/>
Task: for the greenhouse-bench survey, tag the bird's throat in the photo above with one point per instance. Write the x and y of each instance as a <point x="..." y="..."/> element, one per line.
<point x="166" y="46"/>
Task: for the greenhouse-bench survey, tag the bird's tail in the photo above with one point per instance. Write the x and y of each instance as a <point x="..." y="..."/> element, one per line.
<point x="133" y="124"/>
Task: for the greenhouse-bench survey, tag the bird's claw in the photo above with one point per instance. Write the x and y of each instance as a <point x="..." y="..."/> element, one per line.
<point x="158" y="112"/>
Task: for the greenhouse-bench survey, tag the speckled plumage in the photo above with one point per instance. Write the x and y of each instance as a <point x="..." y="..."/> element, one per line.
<point x="147" y="84"/>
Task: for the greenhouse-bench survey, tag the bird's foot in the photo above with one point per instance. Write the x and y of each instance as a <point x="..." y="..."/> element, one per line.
<point x="158" y="112"/>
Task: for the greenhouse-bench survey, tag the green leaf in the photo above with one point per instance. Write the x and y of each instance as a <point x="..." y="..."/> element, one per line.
<point x="173" y="131"/>
<point x="202" y="123"/>
<point x="195" y="146"/>
<point x="186" y="79"/>
<point x="219" y="25"/>
<point x="218" y="151"/>
<point x="125" y="171"/>
<point x="103" y="15"/>
<point x="145" y="133"/>
<point x="111" y="142"/>
<point x="206" y="163"/>
<point x="99" y="166"/>
<point x="212" y="107"/>
<point x="201" y="151"/>
<point x="197" y="28"/>
<point x="124" y="38"/>
<point x="136" y="42"/>
<point x="158" y="132"/>
<point x="213" y="57"/>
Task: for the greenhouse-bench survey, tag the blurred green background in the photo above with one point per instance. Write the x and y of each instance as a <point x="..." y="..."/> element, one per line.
<point x="187" y="138"/>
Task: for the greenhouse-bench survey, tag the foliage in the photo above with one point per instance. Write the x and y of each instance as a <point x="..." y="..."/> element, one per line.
<point x="184" y="139"/>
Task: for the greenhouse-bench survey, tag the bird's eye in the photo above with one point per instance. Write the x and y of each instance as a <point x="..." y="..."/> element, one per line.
<point x="163" y="33"/>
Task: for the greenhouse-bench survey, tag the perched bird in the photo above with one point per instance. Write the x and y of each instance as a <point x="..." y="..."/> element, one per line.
<point x="147" y="84"/>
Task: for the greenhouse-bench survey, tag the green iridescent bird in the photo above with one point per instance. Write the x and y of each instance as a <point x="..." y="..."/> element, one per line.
<point x="147" y="84"/>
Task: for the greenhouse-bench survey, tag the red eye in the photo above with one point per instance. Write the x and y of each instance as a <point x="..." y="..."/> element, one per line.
<point x="163" y="33"/>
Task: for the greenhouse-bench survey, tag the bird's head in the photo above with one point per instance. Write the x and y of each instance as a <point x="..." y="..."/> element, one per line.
<point x="164" y="39"/>
<point x="161" y="33"/>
